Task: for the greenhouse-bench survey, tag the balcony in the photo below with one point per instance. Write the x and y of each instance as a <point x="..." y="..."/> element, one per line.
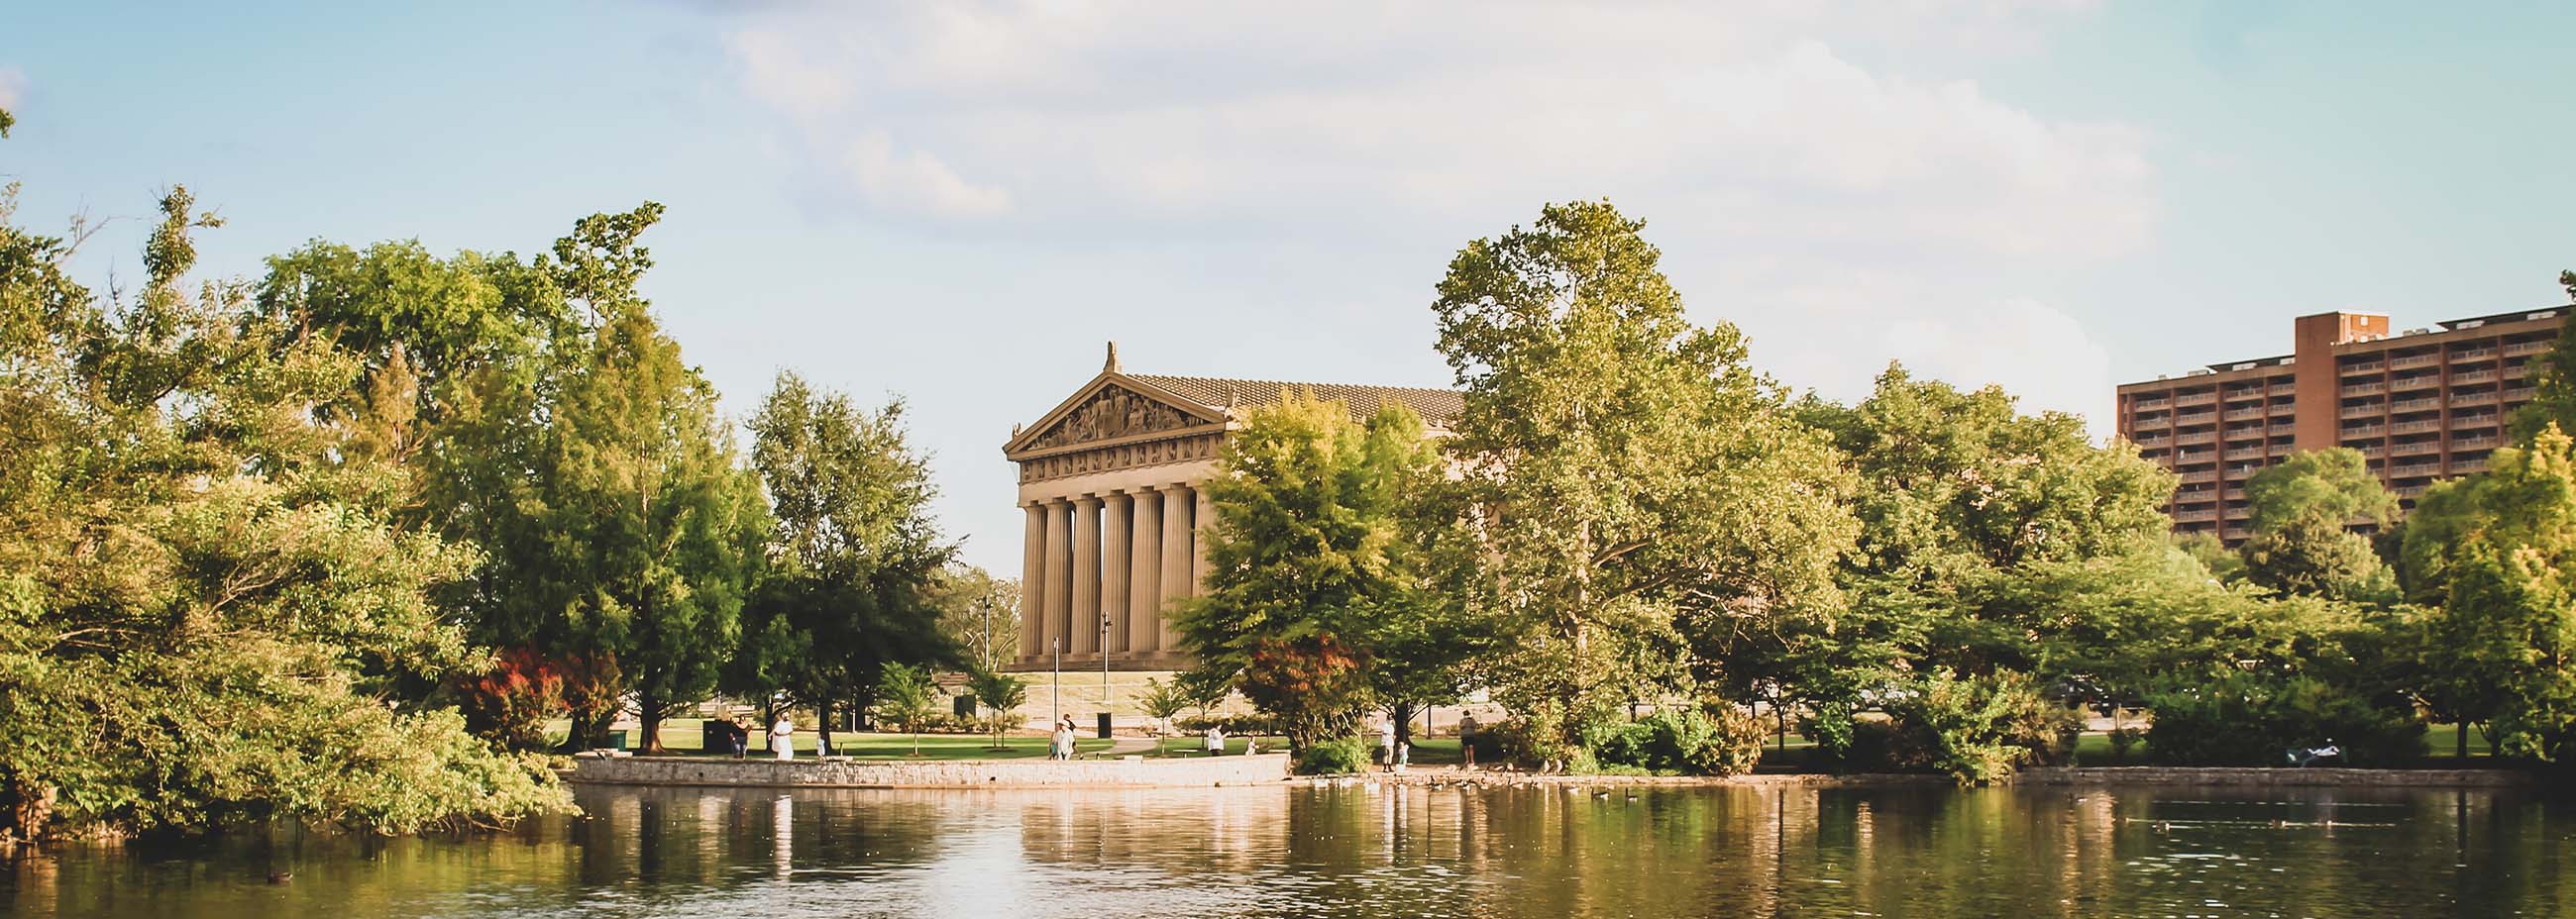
<point x="2196" y="516"/>
<point x="2371" y="388"/>
<point x="2516" y="371"/>
<point x="2196" y="476"/>
<point x="2418" y="425"/>
<point x="2196" y="437"/>
<point x="2238" y="414"/>
<point x="2238" y="472"/>
<point x="2472" y="376"/>
<point x="2283" y="408"/>
<point x="2466" y="466"/>
<point x="2371" y="451"/>
<point x="2244" y="453"/>
<point x="2415" y="448"/>
<point x="2479" y="420"/>
<point x="2520" y="348"/>
<point x="2416" y="382"/>
<point x="2519" y="393"/>
<point x="2472" y="354"/>
<point x="2372" y="410"/>
<point x="2486" y="397"/>
<point x="2426" y="404"/>
<point x="2364" y="430"/>
<point x="2150" y="440"/>
<point x="2475" y="442"/>
<point x="2415" y="469"/>
<point x="2204" y="416"/>
<point x="2408" y="491"/>
<point x="2363" y="367"/>
<point x="2206" y="397"/>
<point x="2426" y="359"/>
<point x="2283" y="389"/>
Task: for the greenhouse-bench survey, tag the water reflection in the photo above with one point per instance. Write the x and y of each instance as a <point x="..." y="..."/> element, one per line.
<point x="1362" y="850"/>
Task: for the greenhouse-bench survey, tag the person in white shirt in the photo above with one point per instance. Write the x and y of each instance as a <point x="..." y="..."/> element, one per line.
<point x="782" y="738"/>
<point x="1216" y="740"/>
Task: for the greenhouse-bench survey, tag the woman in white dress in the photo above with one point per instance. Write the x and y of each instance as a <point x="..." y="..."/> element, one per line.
<point x="782" y="738"/>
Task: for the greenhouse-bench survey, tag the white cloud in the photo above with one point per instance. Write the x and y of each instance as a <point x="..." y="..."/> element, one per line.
<point x="916" y="182"/>
<point x="1808" y="169"/>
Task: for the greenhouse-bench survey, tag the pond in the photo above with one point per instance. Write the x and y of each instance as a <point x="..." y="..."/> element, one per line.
<point x="1369" y="851"/>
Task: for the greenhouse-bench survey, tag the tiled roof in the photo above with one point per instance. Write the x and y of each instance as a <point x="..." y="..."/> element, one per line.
<point x="1437" y="407"/>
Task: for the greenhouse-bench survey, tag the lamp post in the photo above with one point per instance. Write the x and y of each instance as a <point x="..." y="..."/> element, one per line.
<point x="1104" y="666"/>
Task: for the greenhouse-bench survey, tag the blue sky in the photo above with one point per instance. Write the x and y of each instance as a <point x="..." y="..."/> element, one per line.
<point x="957" y="203"/>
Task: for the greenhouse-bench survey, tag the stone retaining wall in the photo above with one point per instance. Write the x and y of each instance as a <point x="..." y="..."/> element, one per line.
<point x="1029" y="773"/>
<point x="2276" y="778"/>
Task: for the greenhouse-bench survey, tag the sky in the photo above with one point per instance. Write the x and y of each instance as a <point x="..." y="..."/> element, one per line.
<point x="957" y="204"/>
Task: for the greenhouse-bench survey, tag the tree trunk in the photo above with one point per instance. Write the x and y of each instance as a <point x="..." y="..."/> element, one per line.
<point x="2460" y="740"/>
<point x="31" y="811"/>
<point x="822" y="726"/>
<point x="648" y="716"/>
<point x="588" y="730"/>
<point x="1402" y="712"/>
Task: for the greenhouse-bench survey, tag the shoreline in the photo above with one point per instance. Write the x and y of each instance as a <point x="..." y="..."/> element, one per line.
<point x="1273" y="768"/>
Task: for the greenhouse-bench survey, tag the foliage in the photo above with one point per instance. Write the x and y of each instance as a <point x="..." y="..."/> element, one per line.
<point x="2251" y="719"/>
<point x="2506" y="632"/>
<point x="1633" y="489"/>
<point x="905" y="695"/>
<point x="2206" y="548"/>
<point x="2553" y="399"/>
<point x="1990" y="541"/>
<point x="1309" y="562"/>
<point x="1976" y="728"/>
<point x="510" y="702"/>
<point x="200" y="578"/>
<point x="2301" y="508"/>
<point x="1003" y="694"/>
<point x="1341" y="756"/>
<point x="856" y="555"/>
<point x="1721" y="740"/>
<point x="978" y="612"/>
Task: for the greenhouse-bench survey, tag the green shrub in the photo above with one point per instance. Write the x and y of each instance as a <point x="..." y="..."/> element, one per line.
<point x="1977" y="729"/>
<point x="1333" y="757"/>
<point x="1623" y="744"/>
<point x="1718" y="740"/>
<point x="1732" y="744"/>
<point x="2249" y="720"/>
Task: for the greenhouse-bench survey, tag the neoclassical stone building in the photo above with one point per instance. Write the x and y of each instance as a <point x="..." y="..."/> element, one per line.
<point x="1109" y="480"/>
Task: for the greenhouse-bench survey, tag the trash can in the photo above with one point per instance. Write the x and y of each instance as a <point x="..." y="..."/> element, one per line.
<point x="1104" y="725"/>
<point x="715" y="735"/>
<point x="617" y="738"/>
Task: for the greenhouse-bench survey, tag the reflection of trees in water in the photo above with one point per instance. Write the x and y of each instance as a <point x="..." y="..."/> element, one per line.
<point x="1351" y="850"/>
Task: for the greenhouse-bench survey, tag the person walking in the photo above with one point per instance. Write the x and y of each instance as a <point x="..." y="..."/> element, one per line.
<point x="1386" y="743"/>
<point x="739" y="734"/>
<point x="782" y="737"/>
<point x="1216" y="740"/>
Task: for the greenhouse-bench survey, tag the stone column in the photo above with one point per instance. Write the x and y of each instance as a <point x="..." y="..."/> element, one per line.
<point x="1176" y="559"/>
<point x="1115" y="542"/>
<point x="1202" y="527"/>
<point x="1033" y="582"/>
<point x="1145" y="585"/>
<point x="1086" y="574"/>
<point x="1059" y="577"/>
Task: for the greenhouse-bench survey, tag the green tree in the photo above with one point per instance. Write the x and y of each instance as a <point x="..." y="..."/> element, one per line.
<point x="2301" y="509"/>
<point x="2553" y="379"/>
<point x="1163" y="702"/>
<point x="650" y="533"/>
<point x="904" y="695"/>
<point x="1635" y="487"/>
<point x="978" y="612"/>
<point x="2507" y="626"/>
<point x="1004" y="694"/>
<point x="1309" y="551"/>
<point x="856" y="556"/>
<point x="1978" y="525"/>
<point x="198" y="577"/>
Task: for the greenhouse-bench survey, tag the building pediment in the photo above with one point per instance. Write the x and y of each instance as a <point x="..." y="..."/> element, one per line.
<point x="1112" y="410"/>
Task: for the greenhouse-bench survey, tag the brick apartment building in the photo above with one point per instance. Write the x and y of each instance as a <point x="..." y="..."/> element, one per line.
<point x="2421" y="405"/>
